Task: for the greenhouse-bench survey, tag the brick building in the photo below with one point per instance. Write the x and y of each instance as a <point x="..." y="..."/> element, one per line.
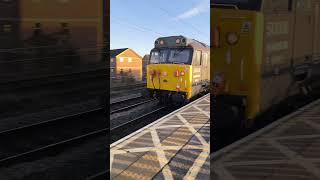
<point x="126" y="62"/>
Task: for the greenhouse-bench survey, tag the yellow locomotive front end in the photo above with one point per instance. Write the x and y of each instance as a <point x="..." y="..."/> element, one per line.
<point x="173" y="75"/>
<point x="170" y="80"/>
<point x="236" y="64"/>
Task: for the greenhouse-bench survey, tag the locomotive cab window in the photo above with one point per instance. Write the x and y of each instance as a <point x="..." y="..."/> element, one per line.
<point x="179" y="56"/>
<point x="158" y="56"/>
<point x="171" y="56"/>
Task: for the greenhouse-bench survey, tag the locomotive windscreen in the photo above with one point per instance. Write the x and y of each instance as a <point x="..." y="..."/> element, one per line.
<point x="241" y="4"/>
<point x="171" y="56"/>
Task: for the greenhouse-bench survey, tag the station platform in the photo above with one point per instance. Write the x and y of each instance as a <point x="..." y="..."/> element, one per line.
<point x="286" y="149"/>
<point x="173" y="147"/>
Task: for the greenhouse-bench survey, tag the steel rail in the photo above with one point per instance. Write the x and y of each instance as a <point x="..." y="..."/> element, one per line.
<point x="125" y="100"/>
<point x="142" y="117"/>
<point x="100" y="175"/>
<point x="131" y="106"/>
<point x="13" y="130"/>
<point x="51" y="146"/>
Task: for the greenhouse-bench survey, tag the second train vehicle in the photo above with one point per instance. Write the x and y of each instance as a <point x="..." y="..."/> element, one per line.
<point x="263" y="52"/>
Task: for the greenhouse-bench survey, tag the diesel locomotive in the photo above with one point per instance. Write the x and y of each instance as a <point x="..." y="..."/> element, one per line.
<point x="179" y="69"/>
<point x="263" y="52"/>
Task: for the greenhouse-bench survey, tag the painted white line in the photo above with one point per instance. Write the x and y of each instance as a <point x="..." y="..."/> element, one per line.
<point x="167" y="174"/>
<point x="111" y="160"/>
<point x="178" y="126"/>
<point x="197" y="165"/>
<point x="146" y="149"/>
<point x="203" y="112"/>
<point x="309" y="166"/>
<point x="312" y="124"/>
<point x="223" y="173"/>
<point x="193" y="131"/>
<point x="258" y="162"/>
<point x="294" y="137"/>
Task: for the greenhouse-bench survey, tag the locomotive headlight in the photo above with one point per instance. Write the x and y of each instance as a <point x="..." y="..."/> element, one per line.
<point x="165" y="73"/>
<point x="182" y="73"/>
<point x="161" y="42"/>
<point x="178" y="87"/>
<point x="178" y="41"/>
<point x="232" y="38"/>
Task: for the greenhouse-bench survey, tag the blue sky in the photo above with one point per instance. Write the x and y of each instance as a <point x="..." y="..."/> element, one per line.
<point x="138" y="23"/>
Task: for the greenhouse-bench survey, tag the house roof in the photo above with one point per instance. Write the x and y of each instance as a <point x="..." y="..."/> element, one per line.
<point x="116" y="52"/>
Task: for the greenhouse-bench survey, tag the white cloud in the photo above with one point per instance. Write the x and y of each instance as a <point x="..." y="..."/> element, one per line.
<point x="203" y="6"/>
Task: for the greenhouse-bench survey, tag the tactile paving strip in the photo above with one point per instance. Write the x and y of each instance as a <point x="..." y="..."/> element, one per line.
<point x="287" y="149"/>
<point x="174" y="147"/>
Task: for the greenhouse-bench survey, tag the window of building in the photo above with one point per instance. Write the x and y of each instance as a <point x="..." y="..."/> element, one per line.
<point x="112" y="70"/>
<point x="121" y="59"/>
<point x="129" y="59"/>
<point x="112" y="60"/>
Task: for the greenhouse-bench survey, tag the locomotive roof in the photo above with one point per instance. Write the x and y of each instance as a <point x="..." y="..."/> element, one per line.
<point x="189" y="42"/>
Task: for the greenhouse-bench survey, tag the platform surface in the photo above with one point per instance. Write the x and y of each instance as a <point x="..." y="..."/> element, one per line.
<point x="173" y="147"/>
<point x="288" y="149"/>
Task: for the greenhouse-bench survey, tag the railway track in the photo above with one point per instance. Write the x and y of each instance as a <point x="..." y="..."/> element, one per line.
<point x="129" y="103"/>
<point x="129" y="87"/>
<point x="53" y="79"/>
<point x="131" y="126"/>
<point x="101" y="175"/>
<point x="41" y="139"/>
<point x="138" y="96"/>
